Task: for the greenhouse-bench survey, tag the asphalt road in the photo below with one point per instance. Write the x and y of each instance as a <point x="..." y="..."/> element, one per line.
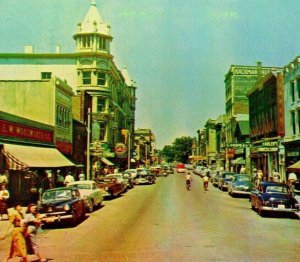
<point x="165" y="222"/>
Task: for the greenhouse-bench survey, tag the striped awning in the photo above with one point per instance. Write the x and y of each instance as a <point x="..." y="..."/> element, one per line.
<point x="20" y="157"/>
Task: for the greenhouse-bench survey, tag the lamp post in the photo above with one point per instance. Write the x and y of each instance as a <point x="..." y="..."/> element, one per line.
<point x="88" y="144"/>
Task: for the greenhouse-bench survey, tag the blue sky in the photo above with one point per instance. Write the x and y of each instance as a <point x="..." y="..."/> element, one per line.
<point x="177" y="51"/>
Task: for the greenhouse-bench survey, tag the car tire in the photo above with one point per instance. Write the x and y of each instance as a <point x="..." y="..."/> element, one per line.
<point x="74" y="221"/>
<point x="91" y="207"/>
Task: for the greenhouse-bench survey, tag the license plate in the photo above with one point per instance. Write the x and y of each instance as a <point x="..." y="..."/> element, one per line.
<point x="281" y="206"/>
<point x="50" y="219"/>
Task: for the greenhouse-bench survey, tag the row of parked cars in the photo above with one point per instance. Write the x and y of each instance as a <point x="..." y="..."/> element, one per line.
<point x="71" y="203"/>
<point x="267" y="197"/>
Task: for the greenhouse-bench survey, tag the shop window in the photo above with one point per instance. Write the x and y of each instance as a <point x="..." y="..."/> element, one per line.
<point x="101" y="79"/>
<point x="86" y="77"/>
<point x="46" y="75"/>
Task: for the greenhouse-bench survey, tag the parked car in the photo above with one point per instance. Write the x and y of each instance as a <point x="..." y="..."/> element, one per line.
<point x="215" y="178"/>
<point x="61" y="204"/>
<point x="241" y="184"/>
<point x="189" y="167"/>
<point x="110" y="186"/>
<point x="224" y="179"/>
<point x="145" y="177"/>
<point x="133" y="172"/>
<point x="180" y="168"/>
<point x="166" y="170"/>
<point x="129" y="179"/>
<point x="121" y="179"/>
<point x="273" y="197"/>
<point x="90" y="192"/>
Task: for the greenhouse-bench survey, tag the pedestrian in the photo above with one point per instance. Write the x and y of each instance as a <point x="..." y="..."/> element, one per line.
<point x="243" y="170"/>
<point x="68" y="179"/>
<point x="4" y="196"/>
<point x="188" y="180"/>
<point x="276" y="176"/>
<point x="33" y="222"/>
<point x="81" y="176"/>
<point x="205" y="181"/>
<point x="3" y="179"/>
<point x="259" y="177"/>
<point x="292" y="178"/>
<point x="18" y="245"/>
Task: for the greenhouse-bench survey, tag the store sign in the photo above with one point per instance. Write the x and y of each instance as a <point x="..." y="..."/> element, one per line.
<point x="238" y="145"/>
<point x="270" y="143"/>
<point x="120" y="150"/>
<point x="267" y="149"/>
<point x="14" y="130"/>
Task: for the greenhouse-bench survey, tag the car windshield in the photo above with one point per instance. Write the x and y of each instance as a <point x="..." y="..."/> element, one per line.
<point x="228" y="176"/>
<point x="276" y="189"/>
<point x="243" y="178"/>
<point x="82" y="186"/>
<point x="59" y="194"/>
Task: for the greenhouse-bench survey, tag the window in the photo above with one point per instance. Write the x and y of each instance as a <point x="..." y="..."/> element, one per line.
<point x="293" y="91"/>
<point x="102" y="131"/>
<point x="100" y="104"/>
<point x="46" y="75"/>
<point x="298" y="113"/>
<point x="293" y="122"/>
<point x="102" y="43"/>
<point x="63" y="118"/>
<point x="86" y="41"/>
<point x="298" y="88"/>
<point x="86" y="77"/>
<point x="101" y="79"/>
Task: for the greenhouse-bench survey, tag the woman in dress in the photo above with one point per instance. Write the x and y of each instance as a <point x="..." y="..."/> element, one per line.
<point x="18" y="244"/>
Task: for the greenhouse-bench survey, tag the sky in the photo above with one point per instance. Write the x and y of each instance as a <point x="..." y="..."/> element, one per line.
<point x="178" y="52"/>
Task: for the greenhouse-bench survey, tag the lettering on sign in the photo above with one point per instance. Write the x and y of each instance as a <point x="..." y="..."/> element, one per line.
<point x="267" y="149"/>
<point x="270" y="143"/>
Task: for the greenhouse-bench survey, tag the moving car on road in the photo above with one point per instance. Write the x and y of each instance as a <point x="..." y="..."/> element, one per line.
<point x="180" y="168"/>
<point x="90" y="192"/>
<point x="61" y="204"/>
<point x="145" y="177"/>
<point x="273" y="197"/>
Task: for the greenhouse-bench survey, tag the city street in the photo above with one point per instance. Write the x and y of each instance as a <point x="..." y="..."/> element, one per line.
<point x="165" y="222"/>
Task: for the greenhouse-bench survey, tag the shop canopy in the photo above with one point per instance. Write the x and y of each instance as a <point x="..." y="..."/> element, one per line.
<point x="107" y="162"/>
<point x="20" y="157"/>
<point x="238" y="161"/>
<point x="294" y="167"/>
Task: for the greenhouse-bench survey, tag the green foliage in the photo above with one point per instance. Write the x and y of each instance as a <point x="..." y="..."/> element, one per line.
<point x="179" y="151"/>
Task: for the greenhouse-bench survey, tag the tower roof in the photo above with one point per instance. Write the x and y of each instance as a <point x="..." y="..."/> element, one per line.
<point x="93" y="23"/>
<point x="128" y="80"/>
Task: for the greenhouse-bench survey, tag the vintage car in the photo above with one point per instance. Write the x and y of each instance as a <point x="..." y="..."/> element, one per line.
<point x="273" y="197"/>
<point x="166" y="170"/>
<point x="180" y="168"/>
<point x="145" y="176"/>
<point x="121" y="179"/>
<point x="241" y="184"/>
<point x="224" y="179"/>
<point x="61" y="204"/>
<point x="90" y="192"/>
<point x="110" y="187"/>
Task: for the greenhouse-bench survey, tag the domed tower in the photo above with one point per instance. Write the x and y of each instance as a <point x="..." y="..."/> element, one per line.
<point x="93" y="35"/>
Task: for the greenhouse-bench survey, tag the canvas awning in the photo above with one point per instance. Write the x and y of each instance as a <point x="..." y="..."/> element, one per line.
<point x="238" y="161"/>
<point x="20" y="157"/>
<point x="107" y="162"/>
<point x="294" y="167"/>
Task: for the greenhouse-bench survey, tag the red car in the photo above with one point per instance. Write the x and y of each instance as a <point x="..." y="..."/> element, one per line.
<point x="110" y="187"/>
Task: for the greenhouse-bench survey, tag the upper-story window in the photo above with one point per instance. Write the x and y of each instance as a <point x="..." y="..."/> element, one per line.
<point x="86" y="41"/>
<point x="86" y="77"/>
<point x="293" y="120"/>
<point x="298" y="87"/>
<point x="293" y="91"/>
<point x="63" y="118"/>
<point x="101" y="79"/>
<point x="100" y="104"/>
<point x="46" y="75"/>
<point x="102" y="43"/>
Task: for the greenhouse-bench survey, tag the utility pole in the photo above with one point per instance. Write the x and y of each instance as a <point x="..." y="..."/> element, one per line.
<point x="88" y="144"/>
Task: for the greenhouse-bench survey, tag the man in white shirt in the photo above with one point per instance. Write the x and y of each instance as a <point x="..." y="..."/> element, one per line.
<point x="68" y="179"/>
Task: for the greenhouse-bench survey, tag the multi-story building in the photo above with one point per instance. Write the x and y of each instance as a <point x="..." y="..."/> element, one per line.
<point x="211" y="144"/>
<point x="35" y="129"/>
<point x="266" y="117"/>
<point x="292" y="115"/>
<point x="91" y="68"/>
<point x="238" y="80"/>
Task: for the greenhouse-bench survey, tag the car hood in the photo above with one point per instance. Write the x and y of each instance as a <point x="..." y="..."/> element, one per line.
<point x="277" y="197"/>
<point x="85" y="192"/>
<point x="243" y="183"/>
<point x="59" y="202"/>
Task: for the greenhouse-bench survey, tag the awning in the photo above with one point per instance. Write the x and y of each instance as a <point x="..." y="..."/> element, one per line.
<point x="294" y="167"/>
<point x="238" y="161"/>
<point x="107" y="162"/>
<point x="21" y="157"/>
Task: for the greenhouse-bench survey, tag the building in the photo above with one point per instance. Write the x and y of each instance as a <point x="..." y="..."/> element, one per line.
<point x="238" y="81"/>
<point x="266" y="115"/>
<point x="91" y="69"/>
<point x="292" y="116"/>
<point x="211" y="142"/>
<point x="35" y="135"/>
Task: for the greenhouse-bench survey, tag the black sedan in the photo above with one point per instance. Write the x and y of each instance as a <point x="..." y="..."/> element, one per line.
<point x="273" y="197"/>
<point x="62" y="204"/>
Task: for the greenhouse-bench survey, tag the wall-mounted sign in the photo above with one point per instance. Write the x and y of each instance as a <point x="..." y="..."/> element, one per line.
<point x="120" y="150"/>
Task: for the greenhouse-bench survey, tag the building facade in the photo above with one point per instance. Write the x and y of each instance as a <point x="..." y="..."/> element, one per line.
<point x="91" y="68"/>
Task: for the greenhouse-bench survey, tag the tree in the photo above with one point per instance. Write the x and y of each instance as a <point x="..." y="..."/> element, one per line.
<point x="168" y="153"/>
<point x="183" y="148"/>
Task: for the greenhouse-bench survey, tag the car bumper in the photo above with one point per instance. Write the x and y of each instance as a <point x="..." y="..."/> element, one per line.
<point x="279" y="209"/>
<point x="240" y="192"/>
<point x="52" y="218"/>
<point x="142" y="181"/>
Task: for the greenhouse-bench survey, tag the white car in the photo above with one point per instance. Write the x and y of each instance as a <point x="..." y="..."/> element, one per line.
<point x="90" y="192"/>
<point x="133" y="172"/>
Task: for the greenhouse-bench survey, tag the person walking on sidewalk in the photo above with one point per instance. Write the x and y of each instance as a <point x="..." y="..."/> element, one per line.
<point x="205" y="181"/>
<point x="4" y="196"/>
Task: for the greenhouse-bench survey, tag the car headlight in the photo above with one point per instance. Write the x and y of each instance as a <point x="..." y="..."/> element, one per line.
<point x="265" y="202"/>
<point x="67" y="207"/>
